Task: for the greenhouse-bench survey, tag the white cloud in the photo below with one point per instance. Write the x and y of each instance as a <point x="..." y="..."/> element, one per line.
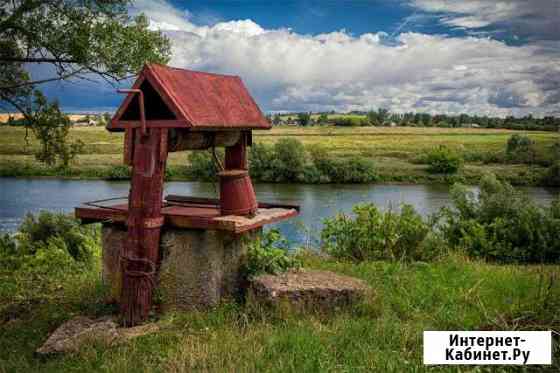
<point x="419" y="72"/>
<point x="536" y="19"/>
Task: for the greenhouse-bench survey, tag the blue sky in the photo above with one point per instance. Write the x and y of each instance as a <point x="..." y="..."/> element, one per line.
<point x="479" y="56"/>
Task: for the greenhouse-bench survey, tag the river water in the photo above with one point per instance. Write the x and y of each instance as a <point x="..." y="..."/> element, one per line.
<point x="19" y="196"/>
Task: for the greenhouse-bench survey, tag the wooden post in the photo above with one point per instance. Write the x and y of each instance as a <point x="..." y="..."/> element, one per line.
<point x="236" y="155"/>
<point x="140" y="255"/>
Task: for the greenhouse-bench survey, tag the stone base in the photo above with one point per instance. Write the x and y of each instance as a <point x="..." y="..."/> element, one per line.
<point x="73" y="334"/>
<point x="198" y="268"/>
<point x="307" y="290"/>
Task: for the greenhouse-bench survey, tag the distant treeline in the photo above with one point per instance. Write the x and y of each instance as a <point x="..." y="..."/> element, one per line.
<point x="383" y="117"/>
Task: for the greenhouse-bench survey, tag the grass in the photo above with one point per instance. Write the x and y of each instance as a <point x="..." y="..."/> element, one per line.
<point x="383" y="334"/>
<point x="394" y="150"/>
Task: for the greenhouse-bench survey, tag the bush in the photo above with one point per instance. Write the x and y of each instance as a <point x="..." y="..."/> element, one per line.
<point x="50" y="252"/>
<point x="324" y="163"/>
<point x="442" y="160"/>
<point x="269" y="254"/>
<point x="47" y="230"/>
<point x="552" y="175"/>
<point x="350" y="122"/>
<point x="119" y="172"/>
<point x="289" y="160"/>
<point x="520" y="148"/>
<point x="355" y="170"/>
<point x="376" y="235"/>
<point x="261" y="157"/>
<point x="502" y="224"/>
<point x="202" y="166"/>
<point x="304" y="119"/>
<point x="351" y="170"/>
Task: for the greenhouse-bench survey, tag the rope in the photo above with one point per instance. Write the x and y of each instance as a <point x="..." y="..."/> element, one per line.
<point x="138" y="285"/>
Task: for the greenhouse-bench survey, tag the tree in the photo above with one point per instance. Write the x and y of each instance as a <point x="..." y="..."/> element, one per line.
<point x="51" y="129"/>
<point x="382" y="115"/>
<point x="303" y="119"/>
<point x="323" y="119"/>
<point x="78" y="39"/>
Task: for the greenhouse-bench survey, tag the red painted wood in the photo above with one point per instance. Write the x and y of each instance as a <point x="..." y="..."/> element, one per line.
<point x="141" y="249"/>
<point x="236" y="156"/>
<point x="199" y="100"/>
<point x="128" y="146"/>
<point x="169" y="123"/>
<point x="196" y="213"/>
<point x="237" y="196"/>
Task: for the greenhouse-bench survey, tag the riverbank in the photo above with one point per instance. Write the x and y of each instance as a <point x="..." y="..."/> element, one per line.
<point x="382" y="334"/>
<point x="421" y="279"/>
<point x="395" y="153"/>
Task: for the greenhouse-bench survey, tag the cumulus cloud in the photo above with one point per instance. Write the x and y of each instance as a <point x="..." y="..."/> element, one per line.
<point x="535" y="19"/>
<point x="412" y="72"/>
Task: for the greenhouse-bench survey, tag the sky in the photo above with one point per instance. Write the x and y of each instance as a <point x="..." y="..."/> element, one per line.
<point x="486" y="57"/>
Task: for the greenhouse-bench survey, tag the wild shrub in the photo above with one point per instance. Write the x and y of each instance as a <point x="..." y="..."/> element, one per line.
<point x="261" y="157"/>
<point x="552" y="175"/>
<point x="119" y="172"/>
<point x="289" y="159"/>
<point x="501" y="224"/>
<point x="50" y="252"/>
<point x="324" y="163"/>
<point x="555" y="151"/>
<point x="304" y="119"/>
<point x="269" y="254"/>
<point x="350" y="122"/>
<point x="47" y="230"/>
<point x="442" y="160"/>
<point x="202" y="166"/>
<point x="520" y="149"/>
<point x="375" y="235"/>
<point x="355" y="170"/>
<point x="348" y="170"/>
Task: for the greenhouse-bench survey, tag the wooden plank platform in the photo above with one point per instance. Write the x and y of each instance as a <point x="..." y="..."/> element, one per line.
<point x="192" y="212"/>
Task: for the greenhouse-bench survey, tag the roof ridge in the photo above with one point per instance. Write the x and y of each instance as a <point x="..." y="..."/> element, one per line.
<point x="192" y="71"/>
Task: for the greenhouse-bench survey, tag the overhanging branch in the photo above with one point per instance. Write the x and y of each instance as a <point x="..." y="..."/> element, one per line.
<point x="36" y="82"/>
<point x="36" y="60"/>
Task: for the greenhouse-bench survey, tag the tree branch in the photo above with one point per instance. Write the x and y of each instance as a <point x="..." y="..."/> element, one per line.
<point x="20" y="108"/>
<point x="36" y="60"/>
<point x="36" y="82"/>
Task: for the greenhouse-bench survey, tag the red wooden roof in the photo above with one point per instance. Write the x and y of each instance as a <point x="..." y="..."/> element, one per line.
<point x="190" y="99"/>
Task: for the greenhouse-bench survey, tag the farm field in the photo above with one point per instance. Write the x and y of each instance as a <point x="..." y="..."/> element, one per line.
<point x="395" y="151"/>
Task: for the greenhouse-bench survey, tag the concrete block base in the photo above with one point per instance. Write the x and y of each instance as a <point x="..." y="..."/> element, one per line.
<point x="197" y="269"/>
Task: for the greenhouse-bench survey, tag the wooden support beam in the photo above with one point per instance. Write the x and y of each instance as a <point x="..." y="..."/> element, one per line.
<point x="140" y="254"/>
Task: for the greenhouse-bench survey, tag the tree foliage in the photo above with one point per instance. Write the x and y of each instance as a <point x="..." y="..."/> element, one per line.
<point x="304" y="119"/>
<point x="270" y="254"/>
<point x="502" y="224"/>
<point x="51" y="129"/>
<point x="372" y="234"/>
<point x="442" y="160"/>
<point x="74" y="39"/>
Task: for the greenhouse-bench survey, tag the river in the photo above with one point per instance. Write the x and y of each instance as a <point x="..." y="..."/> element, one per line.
<point x="19" y="196"/>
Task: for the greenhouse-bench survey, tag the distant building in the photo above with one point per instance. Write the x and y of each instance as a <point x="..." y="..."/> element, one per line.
<point x="470" y="125"/>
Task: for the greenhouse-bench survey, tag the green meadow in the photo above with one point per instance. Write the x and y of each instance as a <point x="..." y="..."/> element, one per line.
<point x="395" y="152"/>
<point x="383" y="334"/>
